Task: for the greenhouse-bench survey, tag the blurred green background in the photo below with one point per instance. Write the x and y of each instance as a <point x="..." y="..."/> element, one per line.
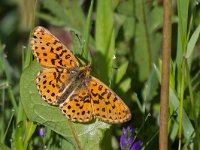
<point x="123" y="41"/>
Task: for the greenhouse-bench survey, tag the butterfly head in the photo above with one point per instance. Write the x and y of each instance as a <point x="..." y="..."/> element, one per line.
<point x="85" y="71"/>
<point x="88" y="69"/>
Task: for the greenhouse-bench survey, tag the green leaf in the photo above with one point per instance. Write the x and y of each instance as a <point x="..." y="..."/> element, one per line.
<point x="196" y="81"/>
<point x="66" y="13"/>
<point x="18" y="136"/>
<point x="121" y="71"/>
<point x="37" y="110"/>
<point x="104" y="25"/>
<point x="183" y="5"/>
<point x="174" y="130"/>
<point x="142" y="47"/>
<point x="128" y="27"/>
<point x="51" y="19"/>
<point x="4" y="147"/>
<point x="192" y="42"/>
<point x="151" y="86"/>
<point x="125" y="85"/>
<point x="86" y="35"/>
<point x="30" y="129"/>
<point x="126" y="8"/>
<point x="156" y="19"/>
<point x="188" y="129"/>
<point x="55" y="8"/>
<point x="105" y="39"/>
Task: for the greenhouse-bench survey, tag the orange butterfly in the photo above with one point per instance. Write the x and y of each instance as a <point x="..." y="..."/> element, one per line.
<point x="80" y="96"/>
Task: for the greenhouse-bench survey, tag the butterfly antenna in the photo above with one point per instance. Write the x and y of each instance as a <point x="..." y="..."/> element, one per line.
<point x="78" y="37"/>
<point x="81" y="47"/>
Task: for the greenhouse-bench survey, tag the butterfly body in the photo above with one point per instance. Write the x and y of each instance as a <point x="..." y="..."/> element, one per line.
<point x="78" y="77"/>
<point x="79" y="95"/>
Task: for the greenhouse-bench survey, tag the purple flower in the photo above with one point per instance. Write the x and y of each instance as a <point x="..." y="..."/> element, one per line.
<point x="136" y="145"/>
<point x="128" y="141"/>
<point x="42" y="132"/>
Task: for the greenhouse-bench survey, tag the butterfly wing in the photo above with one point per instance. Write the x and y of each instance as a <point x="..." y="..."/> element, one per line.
<point x="49" y="51"/>
<point x="107" y="106"/>
<point x="77" y="106"/>
<point x="55" y="84"/>
<point x="51" y="82"/>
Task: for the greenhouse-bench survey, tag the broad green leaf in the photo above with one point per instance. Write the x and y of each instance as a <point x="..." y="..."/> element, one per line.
<point x="89" y="134"/>
<point x="142" y="47"/>
<point x="105" y="39"/>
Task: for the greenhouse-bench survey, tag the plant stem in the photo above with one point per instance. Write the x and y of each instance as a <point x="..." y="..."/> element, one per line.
<point x="164" y="99"/>
<point x="181" y="102"/>
<point x="75" y="135"/>
<point x="193" y="105"/>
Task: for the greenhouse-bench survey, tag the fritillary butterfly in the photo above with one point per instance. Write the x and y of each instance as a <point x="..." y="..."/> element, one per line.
<point x="80" y="96"/>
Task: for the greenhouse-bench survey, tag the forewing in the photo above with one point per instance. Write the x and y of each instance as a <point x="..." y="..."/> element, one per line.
<point x="107" y="105"/>
<point x="49" y="51"/>
<point x="77" y="106"/>
<point x="51" y="83"/>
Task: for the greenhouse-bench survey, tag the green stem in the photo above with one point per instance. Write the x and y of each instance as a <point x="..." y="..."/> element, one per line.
<point x="3" y="115"/>
<point x="75" y="135"/>
<point x="193" y="104"/>
<point x="183" y="36"/>
<point x="8" y="126"/>
<point x="147" y="34"/>
<point x="181" y="103"/>
<point x="10" y="91"/>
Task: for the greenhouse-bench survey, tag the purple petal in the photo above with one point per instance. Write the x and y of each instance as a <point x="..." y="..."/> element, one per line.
<point x="136" y="145"/>
<point x="130" y="140"/>
<point x="42" y="132"/>
<point x="123" y="141"/>
<point x="127" y="137"/>
<point x="124" y="130"/>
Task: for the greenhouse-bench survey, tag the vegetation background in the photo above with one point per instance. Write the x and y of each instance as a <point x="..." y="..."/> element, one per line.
<point x="132" y="32"/>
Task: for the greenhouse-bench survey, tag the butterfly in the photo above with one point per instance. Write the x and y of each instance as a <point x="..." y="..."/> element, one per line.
<point x="62" y="82"/>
